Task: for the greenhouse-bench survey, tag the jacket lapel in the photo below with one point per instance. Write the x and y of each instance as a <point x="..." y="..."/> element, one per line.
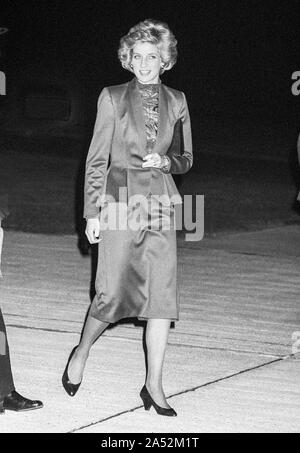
<point x="136" y="112"/>
<point x="162" y="118"/>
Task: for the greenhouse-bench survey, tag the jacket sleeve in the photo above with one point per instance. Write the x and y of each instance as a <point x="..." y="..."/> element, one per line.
<point x="182" y="161"/>
<point x="98" y="155"/>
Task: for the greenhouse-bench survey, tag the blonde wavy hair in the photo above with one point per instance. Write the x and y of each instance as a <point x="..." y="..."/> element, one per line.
<point x="152" y="31"/>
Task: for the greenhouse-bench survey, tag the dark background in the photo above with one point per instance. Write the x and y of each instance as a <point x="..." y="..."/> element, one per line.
<point x="235" y="58"/>
<point x="228" y="51"/>
<point x="235" y="63"/>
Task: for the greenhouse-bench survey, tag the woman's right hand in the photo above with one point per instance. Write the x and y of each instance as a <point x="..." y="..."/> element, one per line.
<point x="92" y="230"/>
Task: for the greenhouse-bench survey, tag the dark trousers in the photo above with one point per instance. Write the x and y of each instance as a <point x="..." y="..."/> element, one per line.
<point x="6" y="378"/>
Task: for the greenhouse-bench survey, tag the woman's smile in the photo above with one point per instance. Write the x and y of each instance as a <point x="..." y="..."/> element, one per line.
<point x="144" y="73"/>
<point x="146" y="62"/>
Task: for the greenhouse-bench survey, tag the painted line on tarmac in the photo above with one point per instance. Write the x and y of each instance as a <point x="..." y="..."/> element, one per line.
<point x="215" y="381"/>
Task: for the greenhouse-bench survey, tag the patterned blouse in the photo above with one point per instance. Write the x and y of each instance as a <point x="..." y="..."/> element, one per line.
<point x="150" y="95"/>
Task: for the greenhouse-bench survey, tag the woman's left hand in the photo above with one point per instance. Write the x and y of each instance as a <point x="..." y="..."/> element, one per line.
<point x="152" y="160"/>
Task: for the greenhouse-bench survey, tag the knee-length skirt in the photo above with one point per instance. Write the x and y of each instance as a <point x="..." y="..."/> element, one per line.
<point x="137" y="263"/>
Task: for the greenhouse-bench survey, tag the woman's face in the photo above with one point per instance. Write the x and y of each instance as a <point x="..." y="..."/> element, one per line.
<point x="146" y="62"/>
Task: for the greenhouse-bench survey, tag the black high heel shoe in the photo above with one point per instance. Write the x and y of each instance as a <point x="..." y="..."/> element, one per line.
<point x="149" y="401"/>
<point x="69" y="387"/>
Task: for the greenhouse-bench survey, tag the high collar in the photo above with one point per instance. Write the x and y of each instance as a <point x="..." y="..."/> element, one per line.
<point x="145" y="85"/>
<point x="135" y="84"/>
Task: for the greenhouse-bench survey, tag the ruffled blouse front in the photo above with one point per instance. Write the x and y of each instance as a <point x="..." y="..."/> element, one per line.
<point x="150" y="102"/>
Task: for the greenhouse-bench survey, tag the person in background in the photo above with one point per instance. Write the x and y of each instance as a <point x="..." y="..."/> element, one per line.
<point x="10" y="399"/>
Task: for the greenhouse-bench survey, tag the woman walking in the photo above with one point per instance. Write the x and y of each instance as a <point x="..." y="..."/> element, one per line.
<point x="127" y="164"/>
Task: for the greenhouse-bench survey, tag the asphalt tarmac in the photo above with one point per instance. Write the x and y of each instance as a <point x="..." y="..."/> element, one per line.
<point x="232" y="362"/>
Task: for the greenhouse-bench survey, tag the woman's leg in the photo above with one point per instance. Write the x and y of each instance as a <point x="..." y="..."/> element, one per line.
<point x="156" y="341"/>
<point x="91" y="331"/>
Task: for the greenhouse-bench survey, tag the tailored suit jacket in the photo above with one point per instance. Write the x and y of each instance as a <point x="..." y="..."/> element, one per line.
<point x="116" y="152"/>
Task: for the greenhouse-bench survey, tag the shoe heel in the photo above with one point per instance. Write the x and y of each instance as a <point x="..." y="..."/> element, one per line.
<point x="146" y="401"/>
<point x="147" y="405"/>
